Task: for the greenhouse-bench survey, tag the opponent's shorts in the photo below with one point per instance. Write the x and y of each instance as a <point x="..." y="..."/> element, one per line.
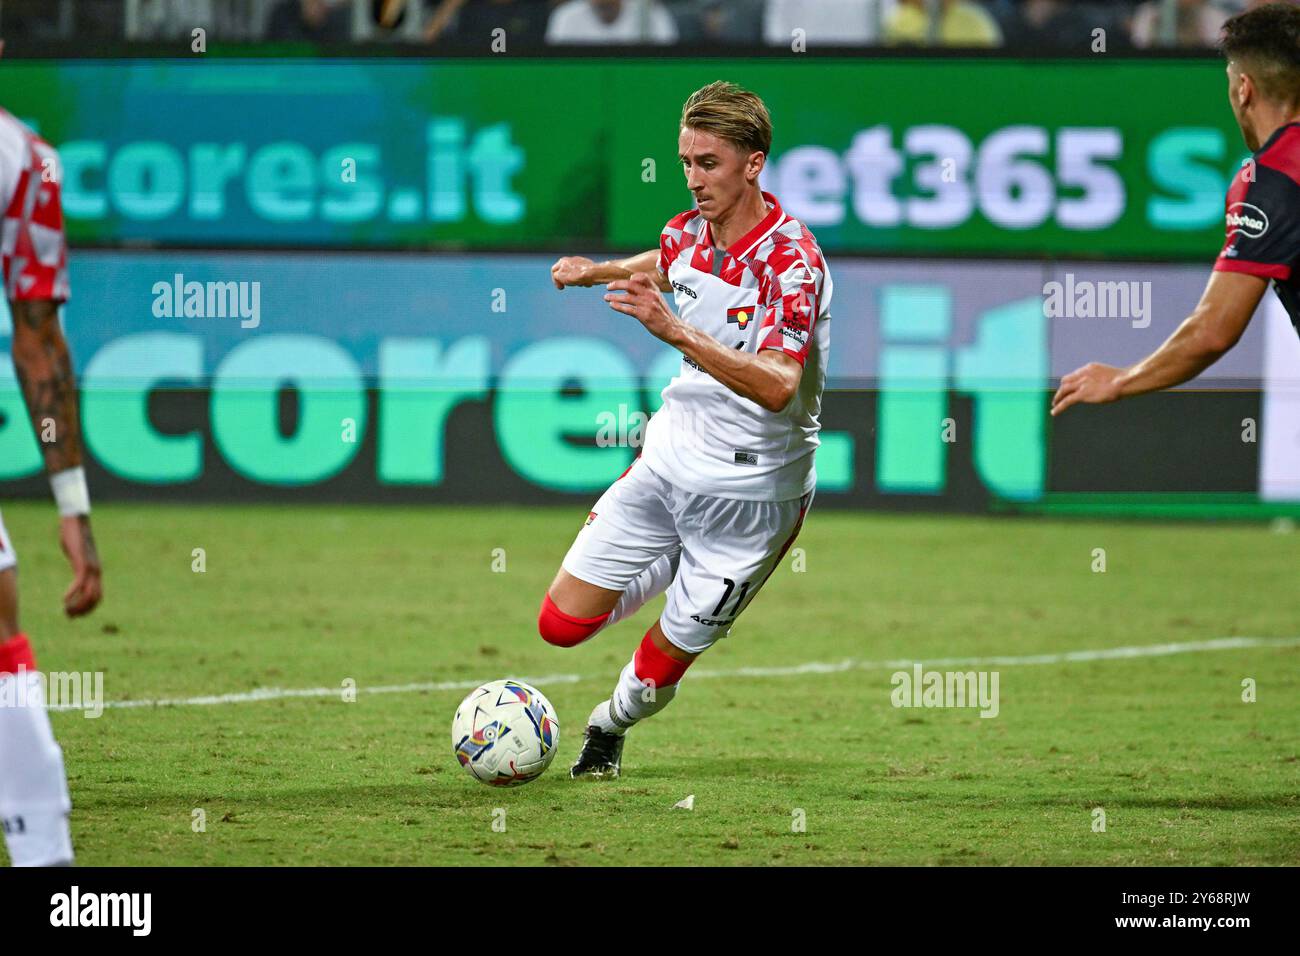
<point x="7" y="557"/>
<point x="728" y="549"/>
<point x="33" y="251"/>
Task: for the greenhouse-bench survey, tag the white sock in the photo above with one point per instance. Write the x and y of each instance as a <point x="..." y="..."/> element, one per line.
<point x="34" y="804"/>
<point x="633" y="700"/>
<point x="602" y="718"/>
<point x="650" y="583"/>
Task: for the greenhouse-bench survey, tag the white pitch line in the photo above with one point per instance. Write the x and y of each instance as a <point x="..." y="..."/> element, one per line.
<point x="812" y="667"/>
<point x="282" y="693"/>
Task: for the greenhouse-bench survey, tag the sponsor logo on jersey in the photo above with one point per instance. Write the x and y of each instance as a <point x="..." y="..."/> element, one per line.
<point x="686" y="290"/>
<point x="1247" y="219"/>
<point x="798" y="335"/>
<point x="741" y="316"/>
<point x="591" y="516"/>
<point x="746" y="458"/>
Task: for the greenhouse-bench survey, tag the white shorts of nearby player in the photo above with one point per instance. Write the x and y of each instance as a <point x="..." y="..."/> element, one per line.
<point x="728" y="548"/>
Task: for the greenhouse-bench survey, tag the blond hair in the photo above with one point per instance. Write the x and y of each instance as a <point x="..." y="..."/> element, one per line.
<point x="730" y="113"/>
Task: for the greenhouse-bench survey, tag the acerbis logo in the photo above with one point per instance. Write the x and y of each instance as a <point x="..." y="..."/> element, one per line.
<point x="1247" y="219"/>
<point x="807" y="273"/>
<point x="681" y="288"/>
<point x="712" y="621"/>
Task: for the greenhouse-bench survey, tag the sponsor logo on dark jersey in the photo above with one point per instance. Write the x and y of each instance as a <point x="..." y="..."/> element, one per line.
<point x="1247" y="219"/>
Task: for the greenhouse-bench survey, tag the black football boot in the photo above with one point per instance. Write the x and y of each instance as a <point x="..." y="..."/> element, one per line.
<point x="601" y="753"/>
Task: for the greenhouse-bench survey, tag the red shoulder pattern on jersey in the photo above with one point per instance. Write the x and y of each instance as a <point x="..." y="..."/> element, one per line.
<point x="33" y="252"/>
<point x="674" y="237"/>
<point x="789" y="291"/>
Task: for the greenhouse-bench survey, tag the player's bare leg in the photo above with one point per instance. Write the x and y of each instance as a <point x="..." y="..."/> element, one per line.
<point x="34" y="802"/>
<point x="579" y="598"/>
<point x="8" y="604"/>
<point x="575" y="610"/>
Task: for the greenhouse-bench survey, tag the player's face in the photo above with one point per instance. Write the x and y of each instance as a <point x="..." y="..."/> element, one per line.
<point x="717" y="174"/>
<point x="1239" y="98"/>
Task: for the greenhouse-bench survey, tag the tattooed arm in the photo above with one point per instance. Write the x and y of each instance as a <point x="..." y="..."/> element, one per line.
<point x="45" y="373"/>
<point x="44" y="369"/>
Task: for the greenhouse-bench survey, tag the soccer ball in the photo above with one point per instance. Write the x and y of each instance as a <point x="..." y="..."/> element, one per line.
<point x="505" y="733"/>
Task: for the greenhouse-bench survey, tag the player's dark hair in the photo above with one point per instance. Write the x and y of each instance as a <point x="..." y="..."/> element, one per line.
<point x="1266" y="42"/>
<point x="730" y="113"/>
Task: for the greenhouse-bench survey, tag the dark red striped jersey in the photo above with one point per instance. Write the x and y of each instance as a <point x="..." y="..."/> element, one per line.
<point x="1263" y="218"/>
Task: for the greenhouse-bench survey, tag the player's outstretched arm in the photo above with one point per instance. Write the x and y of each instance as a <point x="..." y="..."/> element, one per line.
<point x="1226" y="305"/>
<point x="577" y="270"/>
<point x="44" y="368"/>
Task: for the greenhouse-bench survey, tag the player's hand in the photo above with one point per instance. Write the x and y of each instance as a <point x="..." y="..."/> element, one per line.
<point x="643" y="300"/>
<point x="1094" y="384"/>
<point x="79" y="546"/>
<point x="573" y="270"/>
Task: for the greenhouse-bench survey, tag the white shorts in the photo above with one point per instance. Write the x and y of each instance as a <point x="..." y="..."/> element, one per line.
<point x="728" y="548"/>
<point x="7" y="557"/>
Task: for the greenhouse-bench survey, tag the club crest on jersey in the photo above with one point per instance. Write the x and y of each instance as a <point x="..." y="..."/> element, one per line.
<point x="741" y="316"/>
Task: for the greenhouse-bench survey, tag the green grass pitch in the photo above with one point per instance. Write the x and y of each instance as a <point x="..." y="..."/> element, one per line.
<point x="308" y="597"/>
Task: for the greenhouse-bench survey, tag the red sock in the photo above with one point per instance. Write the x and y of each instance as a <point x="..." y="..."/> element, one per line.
<point x="16" y="653"/>
<point x="653" y="665"/>
<point x="565" y="630"/>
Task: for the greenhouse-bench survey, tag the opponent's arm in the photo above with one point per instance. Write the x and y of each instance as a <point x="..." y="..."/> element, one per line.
<point x="1213" y="328"/>
<point x="577" y="270"/>
<point x="768" y="378"/>
<point x="44" y="369"/>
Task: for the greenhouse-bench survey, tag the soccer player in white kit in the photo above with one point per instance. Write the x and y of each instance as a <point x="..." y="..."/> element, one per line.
<point x="34" y="804"/>
<point x="725" y="476"/>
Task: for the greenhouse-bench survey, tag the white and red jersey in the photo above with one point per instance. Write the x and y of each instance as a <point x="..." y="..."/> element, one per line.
<point x="32" y="248"/>
<point x="768" y="290"/>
